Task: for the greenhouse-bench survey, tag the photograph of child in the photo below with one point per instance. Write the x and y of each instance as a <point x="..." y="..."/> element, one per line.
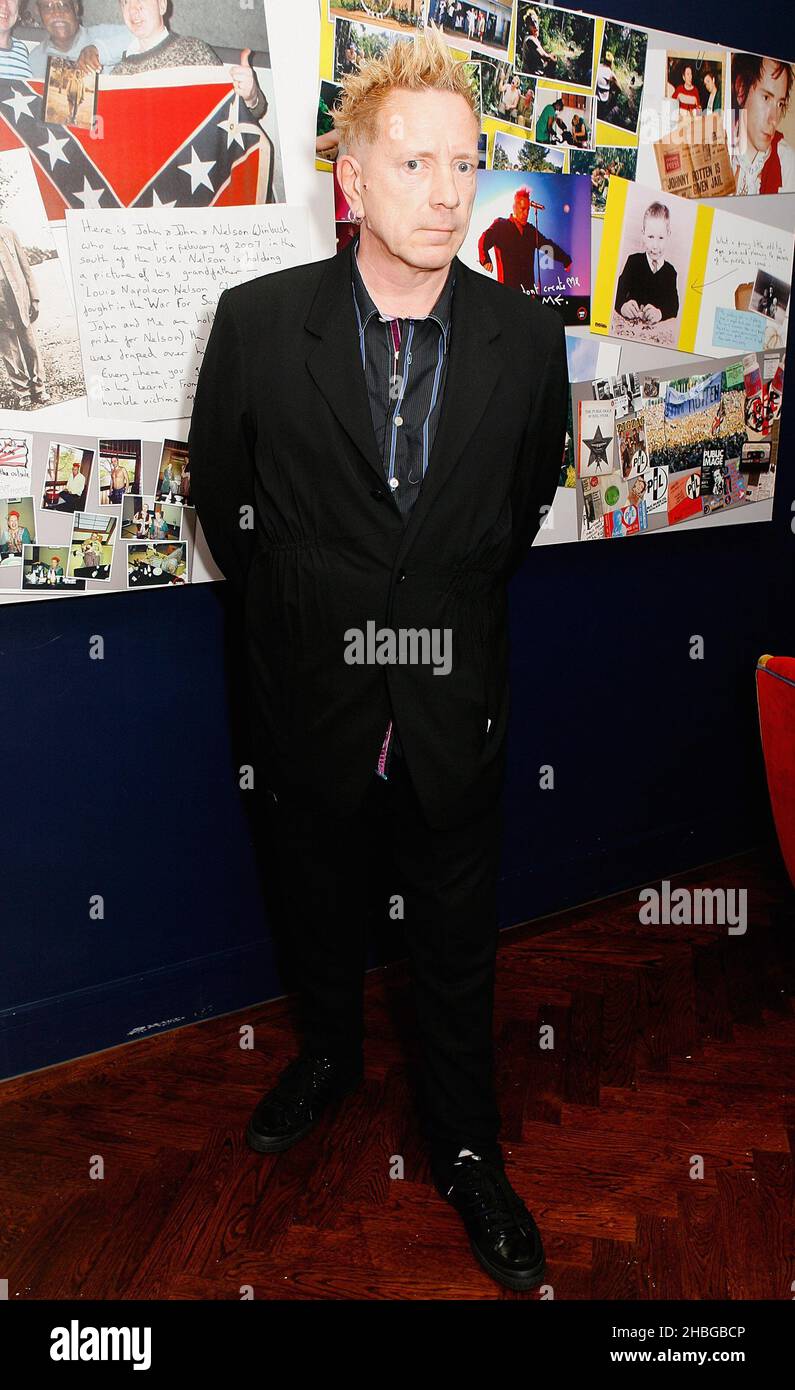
<point x="646" y="289"/>
<point x="653" y="257"/>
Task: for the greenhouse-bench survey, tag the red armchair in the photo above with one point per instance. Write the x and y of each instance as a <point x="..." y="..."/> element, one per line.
<point x="775" y="694"/>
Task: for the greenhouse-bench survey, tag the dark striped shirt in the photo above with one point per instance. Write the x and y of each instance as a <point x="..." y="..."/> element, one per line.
<point x="405" y="367"/>
<point x="15" y="61"/>
<point x="405" y="392"/>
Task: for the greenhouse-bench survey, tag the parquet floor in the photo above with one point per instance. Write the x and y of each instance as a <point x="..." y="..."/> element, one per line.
<point x="654" y="1143"/>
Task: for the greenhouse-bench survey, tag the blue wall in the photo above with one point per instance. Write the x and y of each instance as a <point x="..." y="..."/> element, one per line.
<point x="120" y="775"/>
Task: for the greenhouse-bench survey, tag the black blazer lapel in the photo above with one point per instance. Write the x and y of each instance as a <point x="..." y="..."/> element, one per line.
<point x="335" y="362"/>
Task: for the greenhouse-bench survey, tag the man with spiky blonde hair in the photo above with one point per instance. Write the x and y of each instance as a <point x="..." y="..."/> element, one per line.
<point x="389" y="425"/>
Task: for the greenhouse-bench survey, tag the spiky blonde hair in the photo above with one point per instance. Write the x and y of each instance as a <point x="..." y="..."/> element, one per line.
<point x="418" y="64"/>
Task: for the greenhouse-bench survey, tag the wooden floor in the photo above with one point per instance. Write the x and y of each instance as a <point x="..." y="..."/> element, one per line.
<point x="674" y="1045"/>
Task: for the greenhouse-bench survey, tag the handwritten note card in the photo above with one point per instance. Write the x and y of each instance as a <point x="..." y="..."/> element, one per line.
<point x="738" y="329"/>
<point x="16" y="453"/>
<point x="146" y="285"/>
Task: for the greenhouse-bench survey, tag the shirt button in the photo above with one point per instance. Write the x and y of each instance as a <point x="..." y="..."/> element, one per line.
<point x="393" y="482"/>
<point x="398" y="420"/>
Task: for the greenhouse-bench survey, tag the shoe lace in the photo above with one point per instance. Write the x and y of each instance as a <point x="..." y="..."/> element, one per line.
<point x="483" y="1192"/>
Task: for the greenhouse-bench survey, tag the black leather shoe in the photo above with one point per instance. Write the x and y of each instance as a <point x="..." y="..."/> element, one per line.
<point x="503" y="1235"/>
<point x="290" y="1108"/>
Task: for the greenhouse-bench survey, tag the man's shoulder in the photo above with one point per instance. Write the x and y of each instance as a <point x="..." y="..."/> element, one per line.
<point x="289" y="285"/>
<point x="513" y="309"/>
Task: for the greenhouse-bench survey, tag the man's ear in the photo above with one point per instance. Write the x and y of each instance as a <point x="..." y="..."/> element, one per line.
<point x="349" y="175"/>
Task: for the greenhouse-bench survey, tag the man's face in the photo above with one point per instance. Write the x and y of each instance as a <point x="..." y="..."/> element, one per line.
<point x="417" y="181"/>
<point x="655" y="237"/>
<point x="75" y="469"/>
<point x="9" y="14"/>
<point x="764" y="106"/>
<point x="521" y="208"/>
<point x="59" y="18"/>
<point x="13" y="522"/>
<point x="143" y="18"/>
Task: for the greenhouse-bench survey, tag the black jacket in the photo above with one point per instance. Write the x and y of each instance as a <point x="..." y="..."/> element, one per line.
<point x="281" y="423"/>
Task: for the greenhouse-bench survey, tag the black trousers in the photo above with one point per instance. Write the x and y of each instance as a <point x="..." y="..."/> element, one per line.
<point x="447" y="880"/>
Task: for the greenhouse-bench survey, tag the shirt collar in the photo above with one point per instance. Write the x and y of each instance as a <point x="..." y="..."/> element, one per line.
<point x="135" y="44"/>
<point x="441" y="311"/>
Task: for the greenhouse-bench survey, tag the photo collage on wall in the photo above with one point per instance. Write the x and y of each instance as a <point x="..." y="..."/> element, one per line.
<point x="72" y="506"/>
<point x="106" y="113"/>
<point x="657" y="448"/>
<point x="601" y="138"/>
<point x="559" y="91"/>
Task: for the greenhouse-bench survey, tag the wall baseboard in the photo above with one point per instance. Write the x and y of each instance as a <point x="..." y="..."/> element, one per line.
<point x="80" y="1022"/>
